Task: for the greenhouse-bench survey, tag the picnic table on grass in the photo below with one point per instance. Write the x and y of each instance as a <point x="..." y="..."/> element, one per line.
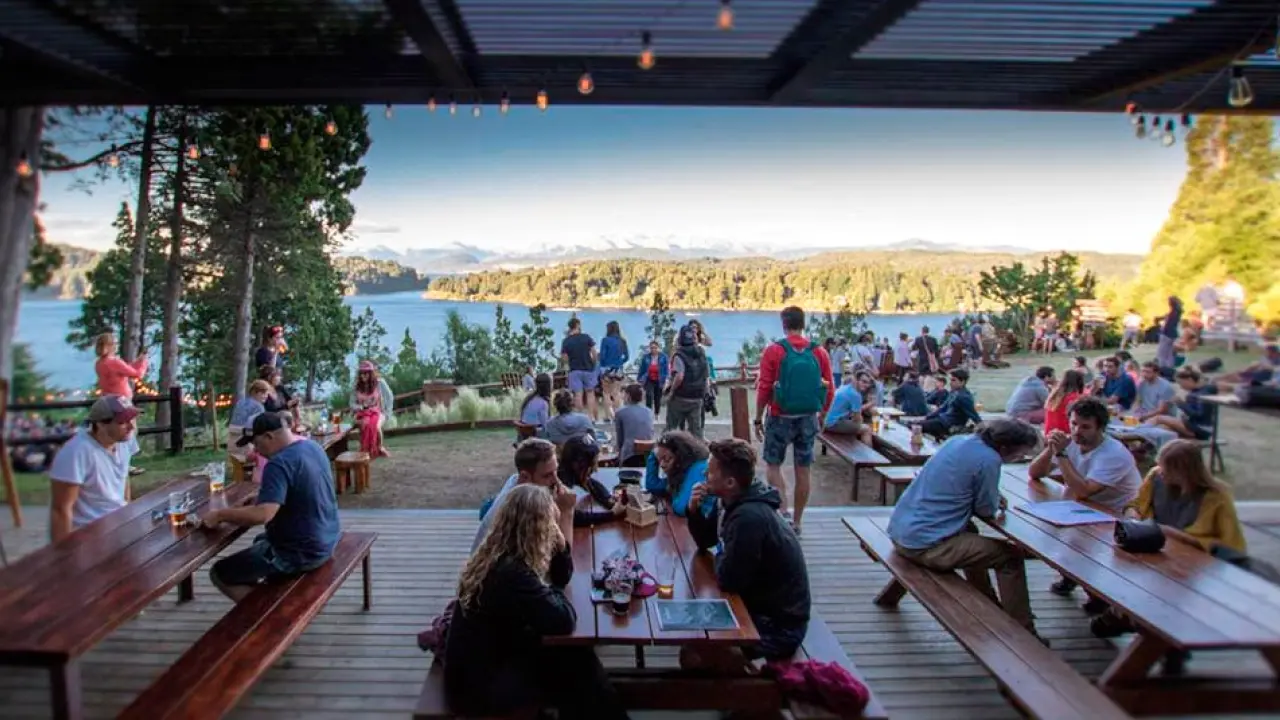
<point x="61" y="600"/>
<point x="1181" y="598"/>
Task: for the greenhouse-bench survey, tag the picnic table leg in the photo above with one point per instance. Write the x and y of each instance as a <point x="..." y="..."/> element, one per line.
<point x="891" y="595"/>
<point x="1216" y="463"/>
<point x="1134" y="662"/>
<point x="187" y="589"/>
<point x="640" y="657"/>
<point x="64" y="684"/>
<point x="1272" y="656"/>
<point x="368" y="581"/>
<point x="855" y="483"/>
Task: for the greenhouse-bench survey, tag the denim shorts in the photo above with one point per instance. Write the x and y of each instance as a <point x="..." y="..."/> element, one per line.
<point x="582" y="380"/>
<point x="254" y="565"/>
<point x="798" y="431"/>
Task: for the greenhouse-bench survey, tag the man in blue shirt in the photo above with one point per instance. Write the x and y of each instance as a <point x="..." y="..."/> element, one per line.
<point x="1117" y="386"/>
<point x="845" y="415"/>
<point x="956" y="411"/>
<point x="932" y="524"/>
<point x="296" y="504"/>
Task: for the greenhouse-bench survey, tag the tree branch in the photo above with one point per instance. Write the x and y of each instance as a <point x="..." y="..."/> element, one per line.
<point x="93" y="160"/>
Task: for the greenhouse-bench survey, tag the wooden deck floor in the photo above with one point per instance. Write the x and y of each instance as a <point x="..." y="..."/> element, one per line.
<point x="350" y="664"/>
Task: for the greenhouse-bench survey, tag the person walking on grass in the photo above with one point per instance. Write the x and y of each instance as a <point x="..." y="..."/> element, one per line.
<point x="794" y="386"/>
<point x="687" y="388"/>
<point x="652" y="376"/>
<point x="578" y="351"/>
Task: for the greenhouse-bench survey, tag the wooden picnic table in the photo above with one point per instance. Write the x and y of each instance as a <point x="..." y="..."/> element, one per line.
<point x="1231" y="401"/>
<point x="61" y="600"/>
<point x="894" y="440"/>
<point x="1181" y="598"/>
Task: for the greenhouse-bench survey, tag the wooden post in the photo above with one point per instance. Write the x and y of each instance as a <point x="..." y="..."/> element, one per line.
<point x="213" y="415"/>
<point x="740" y="412"/>
<point x="10" y="486"/>
<point x="175" y="420"/>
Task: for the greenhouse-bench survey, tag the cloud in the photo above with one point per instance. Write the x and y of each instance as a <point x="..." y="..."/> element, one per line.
<point x="373" y="228"/>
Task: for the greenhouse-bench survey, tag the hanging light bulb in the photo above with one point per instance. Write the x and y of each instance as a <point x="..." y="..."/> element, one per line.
<point x="504" y="105"/>
<point x="646" y="59"/>
<point x="331" y="128"/>
<point x="542" y="100"/>
<point x="23" y="167"/>
<point x="453" y="106"/>
<point x="1130" y="108"/>
<point x="586" y="84"/>
<point x="264" y="141"/>
<point x="1240" y="94"/>
<point x="193" y="151"/>
<point x="113" y="159"/>
<point x="431" y="104"/>
<point x="1141" y="131"/>
<point x="475" y="110"/>
<point x="1169" y="137"/>
<point x="1186" y="120"/>
<point x="1157" y="129"/>
<point x="388" y="112"/>
<point x="724" y="19"/>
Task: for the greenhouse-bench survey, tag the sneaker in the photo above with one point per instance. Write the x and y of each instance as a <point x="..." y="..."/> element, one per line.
<point x="1096" y="606"/>
<point x="136" y="471"/>
<point x="1175" y="662"/>
<point x="1109" y="625"/>
<point x="1063" y="587"/>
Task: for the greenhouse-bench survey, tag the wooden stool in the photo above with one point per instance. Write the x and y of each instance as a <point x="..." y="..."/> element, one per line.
<point x="351" y="468"/>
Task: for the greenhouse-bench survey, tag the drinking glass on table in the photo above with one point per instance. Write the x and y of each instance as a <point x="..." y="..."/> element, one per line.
<point x="179" y="506"/>
<point x="666" y="576"/>
<point x="217" y="477"/>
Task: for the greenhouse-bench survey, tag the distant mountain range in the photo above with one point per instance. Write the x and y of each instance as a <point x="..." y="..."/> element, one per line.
<point x="459" y="258"/>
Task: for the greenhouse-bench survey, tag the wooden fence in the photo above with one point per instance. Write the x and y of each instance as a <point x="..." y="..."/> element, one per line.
<point x="174" y="429"/>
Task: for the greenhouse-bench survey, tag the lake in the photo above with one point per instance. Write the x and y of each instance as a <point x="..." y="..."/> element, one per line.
<point x="43" y="325"/>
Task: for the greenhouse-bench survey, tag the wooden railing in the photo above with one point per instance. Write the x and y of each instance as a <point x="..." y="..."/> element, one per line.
<point x="174" y="429"/>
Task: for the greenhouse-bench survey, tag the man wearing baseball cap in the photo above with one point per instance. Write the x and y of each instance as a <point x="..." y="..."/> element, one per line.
<point x="296" y="504"/>
<point x="90" y="473"/>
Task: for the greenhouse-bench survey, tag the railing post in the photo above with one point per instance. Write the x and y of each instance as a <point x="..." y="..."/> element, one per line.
<point x="176" y="434"/>
<point x="740" y="413"/>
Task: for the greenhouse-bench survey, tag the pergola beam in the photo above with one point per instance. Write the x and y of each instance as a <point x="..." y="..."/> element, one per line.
<point x="418" y="25"/>
<point x="792" y="83"/>
<point x="70" y="44"/>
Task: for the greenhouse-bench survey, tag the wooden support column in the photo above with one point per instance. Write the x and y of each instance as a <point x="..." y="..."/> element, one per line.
<point x="10" y="486"/>
<point x="740" y="411"/>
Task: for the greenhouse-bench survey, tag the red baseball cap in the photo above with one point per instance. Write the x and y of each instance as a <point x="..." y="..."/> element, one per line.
<point x="112" y="408"/>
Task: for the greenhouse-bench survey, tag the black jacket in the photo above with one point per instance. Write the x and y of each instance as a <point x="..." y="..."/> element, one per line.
<point x="761" y="559"/>
<point x="492" y="651"/>
<point x="910" y="399"/>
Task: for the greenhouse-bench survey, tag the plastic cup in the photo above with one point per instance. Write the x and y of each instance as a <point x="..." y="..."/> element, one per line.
<point x="666" y="576"/>
<point x="178" y="505"/>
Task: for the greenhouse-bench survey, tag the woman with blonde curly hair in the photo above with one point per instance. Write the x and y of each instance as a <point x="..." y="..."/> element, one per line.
<point x="510" y="596"/>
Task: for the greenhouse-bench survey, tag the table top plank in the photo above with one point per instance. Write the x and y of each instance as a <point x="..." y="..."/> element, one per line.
<point x="633" y="628"/>
<point x="702" y="578"/>
<point x="894" y="438"/>
<point x="654" y="546"/>
<point x="579" y="589"/>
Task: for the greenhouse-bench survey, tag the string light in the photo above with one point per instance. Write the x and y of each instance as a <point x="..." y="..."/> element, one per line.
<point x="264" y="141"/>
<point x="646" y="59"/>
<point x="542" y="100"/>
<point x="388" y="112"/>
<point x="1169" y="137"/>
<point x="1186" y="121"/>
<point x="453" y="106"/>
<point x="504" y="105"/>
<point x="586" y="84"/>
<point x="1157" y="129"/>
<point x="1141" y="131"/>
<point x="431" y="104"/>
<point x="331" y="128"/>
<point x="724" y="19"/>
<point x="193" y="151"/>
<point x="24" y="168"/>
<point x="475" y="109"/>
<point x="113" y="159"/>
<point x="1241" y="94"/>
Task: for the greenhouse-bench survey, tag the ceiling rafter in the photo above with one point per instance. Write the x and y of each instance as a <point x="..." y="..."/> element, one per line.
<point x="67" y="42"/>
<point x="418" y="25"/>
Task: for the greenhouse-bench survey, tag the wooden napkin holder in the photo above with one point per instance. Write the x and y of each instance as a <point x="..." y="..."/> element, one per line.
<point x="640" y="512"/>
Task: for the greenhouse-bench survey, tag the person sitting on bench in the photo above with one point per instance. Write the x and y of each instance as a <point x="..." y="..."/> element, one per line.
<point x="678" y="463"/>
<point x="511" y="596"/>
<point x="1155" y="395"/>
<point x="296" y="503"/>
<point x="1266" y="370"/>
<point x="758" y="555"/>
<point x="1195" y="421"/>
<point x="956" y="412"/>
<point x="909" y="396"/>
<point x="1028" y="398"/>
<point x="932" y="524"/>
<point x="845" y="415"/>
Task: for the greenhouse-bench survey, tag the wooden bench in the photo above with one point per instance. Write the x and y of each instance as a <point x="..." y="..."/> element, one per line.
<point x="897" y="477"/>
<point x="852" y="451"/>
<point x="676" y="690"/>
<point x="1035" y="680"/>
<point x="210" y="678"/>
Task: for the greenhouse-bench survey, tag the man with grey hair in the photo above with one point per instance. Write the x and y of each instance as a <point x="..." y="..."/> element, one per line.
<point x="932" y="524"/>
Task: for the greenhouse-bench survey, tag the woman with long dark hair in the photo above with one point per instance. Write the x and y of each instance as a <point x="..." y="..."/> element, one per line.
<point x="614" y="354"/>
<point x="1057" y="407"/>
<point x="372" y="404"/>
<point x="677" y="463"/>
<point x="536" y="408"/>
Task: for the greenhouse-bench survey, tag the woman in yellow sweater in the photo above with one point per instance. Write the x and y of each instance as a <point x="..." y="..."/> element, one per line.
<point x="1188" y="503"/>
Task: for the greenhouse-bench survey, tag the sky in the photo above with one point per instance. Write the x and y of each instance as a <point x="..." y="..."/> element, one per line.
<point x="780" y="178"/>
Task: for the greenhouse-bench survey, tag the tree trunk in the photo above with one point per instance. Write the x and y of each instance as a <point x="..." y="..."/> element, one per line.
<point x="20" y="129"/>
<point x="173" y="281"/>
<point x="311" y="383"/>
<point x="244" y="314"/>
<point x="132" y="345"/>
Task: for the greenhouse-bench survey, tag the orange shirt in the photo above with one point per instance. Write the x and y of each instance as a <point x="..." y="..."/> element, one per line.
<point x="114" y="374"/>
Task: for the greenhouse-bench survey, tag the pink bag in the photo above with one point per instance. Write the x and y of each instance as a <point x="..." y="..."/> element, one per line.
<point x="822" y="683"/>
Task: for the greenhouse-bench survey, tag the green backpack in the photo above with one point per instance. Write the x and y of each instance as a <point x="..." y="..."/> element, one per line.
<point x="799" y="389"/>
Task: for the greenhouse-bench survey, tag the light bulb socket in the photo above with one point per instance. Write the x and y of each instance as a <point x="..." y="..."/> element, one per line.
<point x="586" y="84"/>
<point x="1186" y="120"/>
<point x="1237" y="72"/>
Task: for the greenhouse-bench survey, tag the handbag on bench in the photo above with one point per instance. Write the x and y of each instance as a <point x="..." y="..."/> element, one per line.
<point x="1139" y="536"/>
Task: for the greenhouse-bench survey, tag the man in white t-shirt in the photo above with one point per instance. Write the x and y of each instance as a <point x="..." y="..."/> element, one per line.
<point x="1094" y="466"/>
<point x="90" y="473"/>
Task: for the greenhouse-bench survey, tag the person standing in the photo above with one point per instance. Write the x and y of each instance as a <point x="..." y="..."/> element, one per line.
<point x="1132" y="329"/>
<point x="839" y="352"/>
<point x="271" y="351"/>
<point x="687" y="388"/>
<point x="652" y="376"/>
<point x="926" y="350"/>
<point x="1169" y="335"/>
<point x="115" y="374"/>
<point x="795" y="385"/>
<point x="902" y="356"/>
<point x="614" y="354"/>
<point x="296" y="503"/>
<point x="578" y="351"/>
<point x="932" y="524"/>
<point x="90" y="473"/>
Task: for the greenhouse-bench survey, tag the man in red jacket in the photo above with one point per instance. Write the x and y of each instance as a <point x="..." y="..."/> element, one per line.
<point x="798" y="431"/>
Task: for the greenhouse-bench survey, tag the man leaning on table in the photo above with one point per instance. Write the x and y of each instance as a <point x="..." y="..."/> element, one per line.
<point x="90" y="474"/>
<point x="296" y="504"/>
<point x="932" y="524"/>
<point x="1094" y="466"/>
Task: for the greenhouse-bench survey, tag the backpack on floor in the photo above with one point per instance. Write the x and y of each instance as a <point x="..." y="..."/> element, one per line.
<point x="799" y="389"/>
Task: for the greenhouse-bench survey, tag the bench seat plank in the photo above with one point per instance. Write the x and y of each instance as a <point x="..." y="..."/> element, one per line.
<point x="821" y="645"/>
<point x="213" y="675"/>
<point x="1035" y="679"/>
<point x="852" y="450"/>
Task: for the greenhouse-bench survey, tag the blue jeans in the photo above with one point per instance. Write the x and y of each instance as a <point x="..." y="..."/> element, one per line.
<point x="797" y="431"/>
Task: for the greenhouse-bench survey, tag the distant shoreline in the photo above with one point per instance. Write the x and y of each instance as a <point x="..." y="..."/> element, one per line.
<point x="444" y="297"/>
